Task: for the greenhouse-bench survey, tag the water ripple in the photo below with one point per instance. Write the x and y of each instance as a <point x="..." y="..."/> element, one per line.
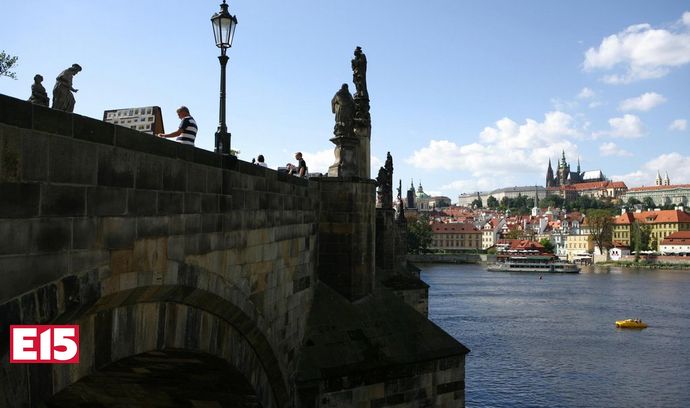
<point x="551" y="342"/>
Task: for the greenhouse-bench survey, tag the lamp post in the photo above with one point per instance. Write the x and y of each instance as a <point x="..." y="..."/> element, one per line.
<point x="223" y="30"/>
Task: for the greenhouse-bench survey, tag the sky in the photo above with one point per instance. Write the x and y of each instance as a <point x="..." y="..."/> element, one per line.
<point x="466" y="95"/>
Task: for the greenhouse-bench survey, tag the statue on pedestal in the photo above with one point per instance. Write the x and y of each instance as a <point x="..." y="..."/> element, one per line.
<point x="359" y="77"/>
<point x="39" y="96"/>
<point x="384" y="183"/>
<point x="62" y="92"/>
<point x="359" y="73"/>
<point x="343" y="106"/>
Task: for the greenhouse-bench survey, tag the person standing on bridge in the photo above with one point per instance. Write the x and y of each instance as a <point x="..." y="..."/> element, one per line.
<point x="186" y="132"/>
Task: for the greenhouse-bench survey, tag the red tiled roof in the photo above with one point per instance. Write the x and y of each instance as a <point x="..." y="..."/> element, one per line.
<point x="677" y="238"/>
<point x="653" y="217"/>
<point x="593" y="185"/>
<point x="654" y="188"/>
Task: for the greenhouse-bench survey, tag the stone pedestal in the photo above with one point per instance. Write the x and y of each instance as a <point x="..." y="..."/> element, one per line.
<point x="386" y="231"/>
<point x="346" y="157"/>
<point x="363" y="133"/>
<point x="346" y="236"/>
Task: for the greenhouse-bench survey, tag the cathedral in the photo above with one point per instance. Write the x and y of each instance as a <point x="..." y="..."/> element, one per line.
<point x="564" y="176"/>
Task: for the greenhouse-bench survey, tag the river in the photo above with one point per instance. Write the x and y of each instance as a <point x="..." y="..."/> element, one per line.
<point x="552" y="342"/>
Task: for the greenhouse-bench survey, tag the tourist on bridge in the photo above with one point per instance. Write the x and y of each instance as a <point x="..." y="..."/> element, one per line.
<point x="301" y="169"/>
<point x="186" y="133"/>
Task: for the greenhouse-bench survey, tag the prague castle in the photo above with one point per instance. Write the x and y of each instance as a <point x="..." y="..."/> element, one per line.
<point x="564" y="176"/>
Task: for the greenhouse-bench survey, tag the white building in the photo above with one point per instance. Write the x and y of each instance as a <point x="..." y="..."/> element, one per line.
<point x="147" y="119"/>
<point x="617" y="253"/>
<point x="466" y="199"/>
<point x="677" y="243"/>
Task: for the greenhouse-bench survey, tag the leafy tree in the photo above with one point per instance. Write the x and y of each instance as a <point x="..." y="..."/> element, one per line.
<point x="6" y="63"/>
<point x="632" y="201"/>
<point x="554" y="201"/>
<point x="477" y="203"/>
<point x="529" y="202"/>
<point x="601" y="228"/>
<point x="514" y="233"/>
<point x="492" y="202"/>
<point x="548" y="246"/>
<point x="419" y="235"/>
<point x="648" y="202"/>
<point x="641" y="234"/>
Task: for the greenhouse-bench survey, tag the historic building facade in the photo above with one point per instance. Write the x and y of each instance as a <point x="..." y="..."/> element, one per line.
<point x="662" y="223"/>
<point x="663" y="193"/>
<point x="455" y="236"/>
<point x="564" y="176"/>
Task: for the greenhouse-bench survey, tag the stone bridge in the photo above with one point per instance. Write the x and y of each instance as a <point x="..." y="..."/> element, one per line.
<point x="202" y="280"/>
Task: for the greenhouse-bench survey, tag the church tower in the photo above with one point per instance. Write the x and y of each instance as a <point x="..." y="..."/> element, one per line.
<point x="549" y="176"/>
<point x="658" y="180"/>
<point x="563" y="171"/>
<point x="411" y="196"/>
<point x="667" y="181"/>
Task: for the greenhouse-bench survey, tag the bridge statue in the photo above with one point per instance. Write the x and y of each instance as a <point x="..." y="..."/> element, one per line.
<point x="343" y="106"/>
<point x="62" y="92"/>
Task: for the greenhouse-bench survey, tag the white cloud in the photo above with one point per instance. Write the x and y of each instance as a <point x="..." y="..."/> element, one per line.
<point x="629" y="127"/>
<point x="644" y="102"/>
<point x="502" y="151"/>
<point x="470" y="185"/>
<point x="611" y="149"/>
<point x="686" y="18"/>
<point x="679" y="124"/>
<point x="586" y="93"/>
<point x="677" y="166"/>
<point x="318" y="162"/>
<point x="643" y="51"/>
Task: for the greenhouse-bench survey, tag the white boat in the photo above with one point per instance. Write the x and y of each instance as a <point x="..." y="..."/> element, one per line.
<point x="534" y="263"/>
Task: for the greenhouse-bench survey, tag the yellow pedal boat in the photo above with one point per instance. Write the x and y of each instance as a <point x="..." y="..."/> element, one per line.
<point x="631" y="324"/>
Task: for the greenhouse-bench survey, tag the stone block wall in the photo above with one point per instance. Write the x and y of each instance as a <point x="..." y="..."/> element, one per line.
<point x="347" y="235"/>
<point x="433" y="384"/>
<point x="95" y="209"/>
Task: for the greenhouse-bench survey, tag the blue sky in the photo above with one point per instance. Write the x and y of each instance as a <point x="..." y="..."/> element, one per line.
<point x="466" y="95"/>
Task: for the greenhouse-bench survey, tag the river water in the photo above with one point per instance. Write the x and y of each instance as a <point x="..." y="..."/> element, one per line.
<point x="552" y="342"/>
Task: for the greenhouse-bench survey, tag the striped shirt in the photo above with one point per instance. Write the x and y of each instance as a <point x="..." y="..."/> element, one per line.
<point x="188" y="127"/>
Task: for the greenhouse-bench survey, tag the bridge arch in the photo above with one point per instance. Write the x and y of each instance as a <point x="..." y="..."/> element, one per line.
<point x="189" y="311"/>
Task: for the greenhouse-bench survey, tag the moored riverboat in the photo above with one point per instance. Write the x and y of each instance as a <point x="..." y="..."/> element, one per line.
<point x="534" y="263"/>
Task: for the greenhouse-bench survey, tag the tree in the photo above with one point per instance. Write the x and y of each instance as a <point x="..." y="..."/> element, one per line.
<point x="554" y="201"/>
<point x="492" y="202"/>
<point x="514" y="233"/>
<point x="601" y="228"/>
<point x="419" y="235"/>
<point x="641" y="234"/>
<point x="477" y="203"/>
<point x="648" y="202"/>
<point x="548" y="246"/>
<point x="632" y="201"/>
<point x="6" y="63"/>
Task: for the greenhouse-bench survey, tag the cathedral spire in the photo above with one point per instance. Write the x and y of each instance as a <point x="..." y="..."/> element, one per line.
<point x="549" y="176"/>
<point x="658" y="180"/>
<point x="578" y="164"/>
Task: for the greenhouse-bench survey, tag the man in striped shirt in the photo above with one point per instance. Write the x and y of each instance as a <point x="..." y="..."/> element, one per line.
<point x="186" y="133"/>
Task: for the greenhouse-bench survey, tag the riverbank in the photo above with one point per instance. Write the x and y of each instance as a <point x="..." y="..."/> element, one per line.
<point x="460" y="258"/>
<point x="645" y="264"/>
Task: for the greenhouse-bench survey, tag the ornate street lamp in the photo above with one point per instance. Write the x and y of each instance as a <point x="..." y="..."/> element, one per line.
<point x="223" y="30"/>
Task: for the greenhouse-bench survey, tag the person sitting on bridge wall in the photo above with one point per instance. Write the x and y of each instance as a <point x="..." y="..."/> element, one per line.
<point x="301" y="169"/>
